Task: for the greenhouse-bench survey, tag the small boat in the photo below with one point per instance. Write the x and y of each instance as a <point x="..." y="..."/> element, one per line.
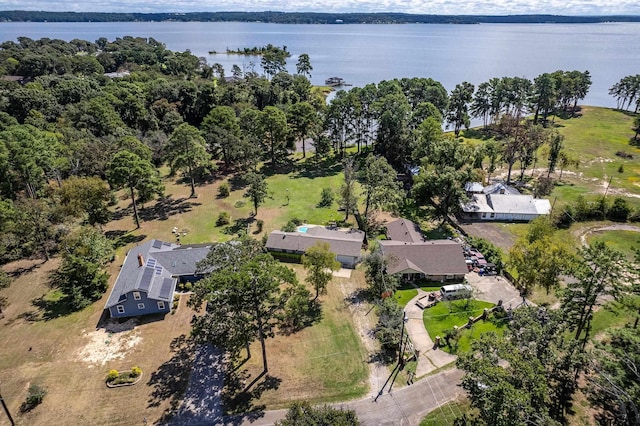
<point x="335" y="81"/>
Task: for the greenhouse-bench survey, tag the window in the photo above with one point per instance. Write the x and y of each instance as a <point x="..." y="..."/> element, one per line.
<point x="161" y="305"/>
<point x="484" y="215"/>
<point x="493" y="215"/>
<point x="120" y="309"/>
<point x="140" y="305"/>
<point x="136" y="295"/>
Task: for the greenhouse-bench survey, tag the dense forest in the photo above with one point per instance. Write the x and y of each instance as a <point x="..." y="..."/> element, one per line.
<point x="302" y="18"/>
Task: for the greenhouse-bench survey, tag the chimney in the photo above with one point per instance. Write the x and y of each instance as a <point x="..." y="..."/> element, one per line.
<point x="140" y="259"/>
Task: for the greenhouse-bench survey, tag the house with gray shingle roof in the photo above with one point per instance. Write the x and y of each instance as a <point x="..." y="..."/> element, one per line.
<point x="347" y="245"/>
<point x="404" y="230"/>
<point x="435" y="260"/>
<point x="149" y="275"/>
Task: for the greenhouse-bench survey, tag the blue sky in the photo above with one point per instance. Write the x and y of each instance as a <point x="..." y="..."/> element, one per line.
<point x="454" y="7"/>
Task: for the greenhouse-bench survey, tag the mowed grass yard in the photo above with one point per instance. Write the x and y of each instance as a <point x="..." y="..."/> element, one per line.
<point x="445" y="315"/>
<point x="326" y="362"/>
<point x="291" y="195"/>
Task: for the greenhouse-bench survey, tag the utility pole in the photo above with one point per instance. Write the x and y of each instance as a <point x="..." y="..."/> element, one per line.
<point x="6" y="410"/>
<point x="400" y="353"/>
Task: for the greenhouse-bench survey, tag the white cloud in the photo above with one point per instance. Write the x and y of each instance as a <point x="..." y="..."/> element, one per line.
<point x="452" y="7"/>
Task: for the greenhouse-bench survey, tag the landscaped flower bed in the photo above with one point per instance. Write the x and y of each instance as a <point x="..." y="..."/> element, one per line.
<point x="117" y="378"/>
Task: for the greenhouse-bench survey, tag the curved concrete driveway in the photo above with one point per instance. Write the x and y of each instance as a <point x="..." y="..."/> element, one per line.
<point x="430" y="358"/>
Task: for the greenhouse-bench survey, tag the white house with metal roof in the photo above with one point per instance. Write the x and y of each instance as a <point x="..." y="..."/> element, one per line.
<point x="505" y="207"/>
<point x="149" y="275"/>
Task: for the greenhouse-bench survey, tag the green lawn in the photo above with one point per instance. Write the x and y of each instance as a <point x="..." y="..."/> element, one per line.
<point x="439" y="318"/>
<point x="623" y="241"/>
<point x="611" y="315"/>
<point x="404" y="294"/>
<point x="446" y="413"/>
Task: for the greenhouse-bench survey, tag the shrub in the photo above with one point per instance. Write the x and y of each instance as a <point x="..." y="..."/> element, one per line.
<point x="136" y="371"/>
<point x="240" y="204"/>
<point x="223" y="190"/>
<point x="223" y="219"/>
<point x="260" y="224"/>
<point x="35" y="395"/>
<point x="112" y="375"/>
<point x="621" y="168"/>
<point x="326" y="198"/>
<point x="619" y="210"/>
<point x="492" y="253"/>
<point x="289" y="227"/>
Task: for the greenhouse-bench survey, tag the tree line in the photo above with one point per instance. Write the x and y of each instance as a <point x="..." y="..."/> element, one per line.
<point x="302" y="17"/>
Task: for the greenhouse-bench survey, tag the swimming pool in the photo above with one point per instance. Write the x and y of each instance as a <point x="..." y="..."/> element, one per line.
<point x="303" y="228"/>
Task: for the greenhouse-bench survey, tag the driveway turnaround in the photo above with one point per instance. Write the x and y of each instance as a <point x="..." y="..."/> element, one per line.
<point x="493" y="288"/>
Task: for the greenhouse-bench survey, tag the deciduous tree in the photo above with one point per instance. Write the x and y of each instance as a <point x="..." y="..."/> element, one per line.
<point x="380" y="184"/>
<point x="81" y="276"/>
<point x="303" y="414"/>
<point x="320" y="262"/>
<point x="598" y="271"/>
<point x="348" y="193"/>
<point x="186" y="150"/>
<point x="242" y="290"/>
<point x="127" y="170"/>
<point x="257" y="190"/>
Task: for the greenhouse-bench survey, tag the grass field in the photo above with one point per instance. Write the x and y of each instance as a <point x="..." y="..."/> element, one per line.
<point x="446" y="315"/>
<point x="623" y="241"/>
<point x="322" y="363"/>
<point x="611" y="315"/>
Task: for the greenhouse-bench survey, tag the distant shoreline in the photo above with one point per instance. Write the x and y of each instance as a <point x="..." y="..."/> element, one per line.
<point x="306" y="18"/>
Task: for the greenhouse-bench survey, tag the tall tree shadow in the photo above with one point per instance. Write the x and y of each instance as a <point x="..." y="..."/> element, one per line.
<point x="166" y="207"/>
<point x="202" y="402"/>
<point x="121" y="238"/>
<point x="171" y="379"/>
<point x="239" y="398"/>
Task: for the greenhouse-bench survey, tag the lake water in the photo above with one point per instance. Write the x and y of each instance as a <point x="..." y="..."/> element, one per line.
<point x="364" y="54"/>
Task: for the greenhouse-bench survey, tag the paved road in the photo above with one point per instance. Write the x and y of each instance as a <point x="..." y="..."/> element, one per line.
<point x="406" y="406"/>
